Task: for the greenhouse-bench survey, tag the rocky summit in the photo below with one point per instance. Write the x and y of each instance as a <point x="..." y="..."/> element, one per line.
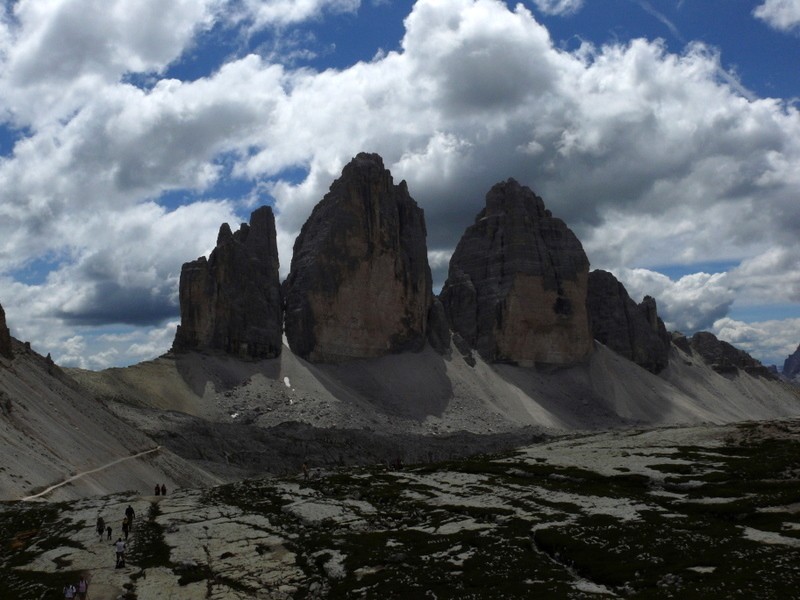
<point x="632" y="330"/>
<point x="360" y="284"/>
<point x="5" y="336"/>
<point x="516" y="288"/>
<point x="791" y="366"/>
<point x="725" y="358"/>
<point x="232" y="301"/>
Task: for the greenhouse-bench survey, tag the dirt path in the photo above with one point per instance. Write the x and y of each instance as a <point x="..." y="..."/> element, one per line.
<point x="83" y="473"/>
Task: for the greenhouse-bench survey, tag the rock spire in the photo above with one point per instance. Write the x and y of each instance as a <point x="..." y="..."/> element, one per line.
<point x="232" y="301"/>
<point x="632" y="330"/>
<point x="791" y="366"/>
<point x="516" y="288"/>
<point x="360" y="284"/>
<point x="5" y="336"/>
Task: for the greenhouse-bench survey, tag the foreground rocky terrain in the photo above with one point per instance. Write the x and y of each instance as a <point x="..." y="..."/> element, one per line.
<point x="697" y="512"/>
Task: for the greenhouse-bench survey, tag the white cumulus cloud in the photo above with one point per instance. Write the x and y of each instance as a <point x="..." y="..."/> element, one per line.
<point x="783" y="15"/>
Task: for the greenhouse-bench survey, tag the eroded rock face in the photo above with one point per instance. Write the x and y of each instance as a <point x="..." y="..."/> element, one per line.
<point x="5" y="336"/>
<point x="516" y="288"/>
<point x="232" y="301"/>
<point x="632" y="330"/>
<point x="791" y="366"/>
<point x="725" y="358"/>
<point x="360" y="284"/>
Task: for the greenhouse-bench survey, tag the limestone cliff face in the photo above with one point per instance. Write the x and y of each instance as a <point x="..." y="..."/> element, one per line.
<point x="232" y="301"/>
<point x="725" y="358"/>
<point x="791" y="366"/>
<point x="360" y="284"/>
<point x="516" y="288"/>
<point x="633" y="331"/>
<point x="5" y="336"/>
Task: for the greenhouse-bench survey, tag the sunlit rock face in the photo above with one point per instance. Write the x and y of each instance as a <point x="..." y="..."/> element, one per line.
<point x="232" y="301"/>
<point x="632" y="330"/>
<point x="516" y="288"/>
<point x="5" y="336"/>
<point x="360" y="284"/>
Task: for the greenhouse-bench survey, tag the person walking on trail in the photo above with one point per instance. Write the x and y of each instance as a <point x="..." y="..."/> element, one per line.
<point x="69" y="591"/>
<point x="101" y="527"/>
<point x="158" y="490"/>
<point x="125" y="527"/>
<point x="108" y="532"/>
<point x="130" y="514"/>
<point x="83" y="588"/>
<point x="119" y="546"/>
<point x="163" y="490"/>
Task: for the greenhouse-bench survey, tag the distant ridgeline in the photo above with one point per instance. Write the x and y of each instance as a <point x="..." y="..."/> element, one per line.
<point x="518" y="289"/>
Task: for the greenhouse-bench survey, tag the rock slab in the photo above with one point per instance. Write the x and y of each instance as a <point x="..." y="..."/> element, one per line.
<point x="632" y="330"/>
<point x="359" y="284"/>
<point x="517" y="283"/>
<point x="232" y="301"/>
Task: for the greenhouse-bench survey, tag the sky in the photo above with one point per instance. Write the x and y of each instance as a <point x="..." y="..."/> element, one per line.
<point x="665" y="133"/>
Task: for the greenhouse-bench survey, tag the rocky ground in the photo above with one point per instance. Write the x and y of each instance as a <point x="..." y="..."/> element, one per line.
<point x="690" y="512"/>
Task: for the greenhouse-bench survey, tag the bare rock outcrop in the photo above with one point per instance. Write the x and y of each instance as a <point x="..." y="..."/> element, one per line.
<point x="232" y="301"/>
<point x="360" y="284"/>
<point x="791" y="366"/>
<point x="5" y="336"/>
<point x="632" y="330"/>
<point x="725" y="358"/>
<point x="516" y="288"/>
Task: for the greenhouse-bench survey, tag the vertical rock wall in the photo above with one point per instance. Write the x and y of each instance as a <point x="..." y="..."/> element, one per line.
<point x="632" y="330"/>
<point x="232" y="301"/>
<point x="516" y="288"/>
<point x="360" y="284"/>
<point x="5" y="336"/>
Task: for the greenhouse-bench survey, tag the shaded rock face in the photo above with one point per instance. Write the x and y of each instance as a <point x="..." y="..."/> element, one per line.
<point x="791" y="366"/>
<point x="725" y="358"/>
<point x="632" y="330"/>
<point x="5" y="336"/>
<point x="232" y="301"/>
<point x="360" y="284"/>
<point x="516" y="288"/>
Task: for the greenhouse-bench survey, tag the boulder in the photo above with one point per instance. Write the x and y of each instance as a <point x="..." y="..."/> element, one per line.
<point x="632" y="330"/>
<point x="791" y="366"/>
<point x="359" y="284"/>
<point x="232" y="301"/>
<point x="516" y="287"/>
<point x="725" y="358"/>
<point x="5" y="336"/>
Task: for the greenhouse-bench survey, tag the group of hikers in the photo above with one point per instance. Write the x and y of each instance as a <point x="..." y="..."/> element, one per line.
<point x="79" y="591"/>
<point x="120" y="545"/>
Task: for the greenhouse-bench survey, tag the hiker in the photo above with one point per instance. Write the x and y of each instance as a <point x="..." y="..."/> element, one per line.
<point x="108" y="532"/>
<point x="163" y="490"/>
<point x="158" y="490"/>
<point x="305" y="471"/>
<point x="119" y="545"/>
<point x="125" y="527"/>
<point x="83" y="588"/>
<point x="101" y="527"/>
<point x="130" y="514"/>
<point x="69" y="591"/>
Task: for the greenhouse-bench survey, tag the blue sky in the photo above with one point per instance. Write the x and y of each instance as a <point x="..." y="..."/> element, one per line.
<point x="664" y="132"/>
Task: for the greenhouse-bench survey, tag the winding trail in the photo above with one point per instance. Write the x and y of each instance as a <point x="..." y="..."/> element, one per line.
<point x="83" y="473"/>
